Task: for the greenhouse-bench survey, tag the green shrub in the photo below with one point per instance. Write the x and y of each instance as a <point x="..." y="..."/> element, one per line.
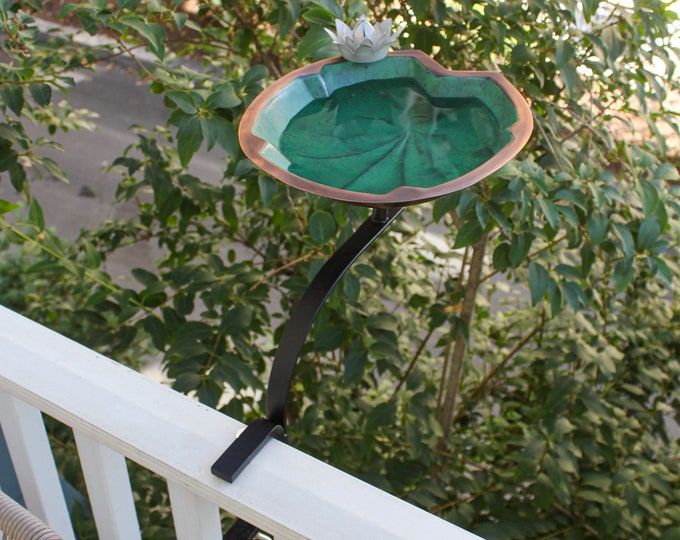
<point x="515" y="379"/>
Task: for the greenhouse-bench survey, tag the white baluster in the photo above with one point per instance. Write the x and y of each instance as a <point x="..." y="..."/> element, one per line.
<point x="108" y="487"/>
<point x="195" y="518"/>
<point x="34" y="464"/>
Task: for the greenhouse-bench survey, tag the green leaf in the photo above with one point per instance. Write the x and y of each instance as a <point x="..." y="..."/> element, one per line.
<point x="570" y="78"/>
<point x="227" y="138"/>
<point x="321" y="226"/>
<point x="587" y="259"/>
<point x="184" y="100"/>
<point x="623" y="274"/>
<point x="255" y="74"/>
<point x="268" y="188"/>
<point x="642" y="158"/>
<point x="189" y="139"/>
<point x="565" y="52"/>
<point x="626" y="242"/>
<point x="519" y="249"/>
<point x="186" y="382"/>
<point x="144" y="277"/>
<point x="444" y="205"/>
<point x="497" y="212"/>
<point x="666" y="171"/>
<point x="555" y="297"/>
<point x="156" y="329"/>
<point x="237" y="320"/>
<point x="54" y="169"/>
<point x="648" y="233"/>
<point x="671" y="533"/>
<point x="35" y="214"/>
<point x="318" y="17"/>
<point x="522" y="54"/>
<point x="382" y="415"/>
<point x="574" y="295"/>
<point x="315" y="45"/>
<point x="329" y="338"/>
<point x="210" y="129"/>
<point x="89" y="22"/>
<point x="501" y="256"/>
<point x="128" y="4"/>
<point x="550" y="212"/>
<point x="383" y="321"/>
<point x="483" y="213"/>
<point x="598" y="226"/>
<point x="8" y="158"/>
<point x="590" y="8"/>
<point x="93" y="258"/>
<point x="331" y="6"/>
<point x="352" y="287"/>
<point x="223" y="97"/>
<point x="355" y="365"/>
<point x="470" y="233"/>
<point x="17" y="176"/>
<point x="539" y="280"/>
<point x="13" y="96"/>
<point x="289" y="11"/>
<point x="319" y="139"/>
<point x="355" y="8"/>
<point x="420" y="7"/>
<point x="614" y="43"/>
<point x="154" y="33"/>
<point x="180" y="19"/>
<point x="6" y="206"/>
<point x="663" y="270"/>
<point x="41" y="93"/>
<point x="649" y="196"/>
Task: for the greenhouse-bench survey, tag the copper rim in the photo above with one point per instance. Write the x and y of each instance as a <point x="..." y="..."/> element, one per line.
<point x="403" y="195"/>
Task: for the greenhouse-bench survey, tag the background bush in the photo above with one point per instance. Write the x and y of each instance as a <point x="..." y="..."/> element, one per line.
<point x="516" y="377"/>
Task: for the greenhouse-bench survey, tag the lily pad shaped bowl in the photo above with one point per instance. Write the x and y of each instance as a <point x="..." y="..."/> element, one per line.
<point x="396" y="132"/>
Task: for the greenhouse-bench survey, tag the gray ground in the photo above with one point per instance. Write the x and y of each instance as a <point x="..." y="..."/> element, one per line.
<point x="120" y="99"/>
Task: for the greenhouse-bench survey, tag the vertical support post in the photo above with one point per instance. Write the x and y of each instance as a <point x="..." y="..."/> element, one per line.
<point x="108" y="488"/>
<point x="195" y="518"/>
<point x="34" y="464"/>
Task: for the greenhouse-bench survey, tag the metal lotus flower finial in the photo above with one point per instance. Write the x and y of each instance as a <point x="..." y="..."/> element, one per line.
<point x="365" y="43"/>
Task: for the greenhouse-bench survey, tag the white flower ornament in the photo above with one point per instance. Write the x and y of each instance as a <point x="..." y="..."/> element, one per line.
<point x="365" y="43"/>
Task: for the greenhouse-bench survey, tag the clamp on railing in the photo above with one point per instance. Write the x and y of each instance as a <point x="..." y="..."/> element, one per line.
<point x="256" y="435"/>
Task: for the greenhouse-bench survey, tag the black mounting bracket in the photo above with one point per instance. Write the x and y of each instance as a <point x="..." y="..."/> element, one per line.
<point x="237" y="456"/>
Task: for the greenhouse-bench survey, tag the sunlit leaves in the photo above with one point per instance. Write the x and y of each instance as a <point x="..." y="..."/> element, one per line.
<point x="199" y="118"/>
<point x="154" y="33"/>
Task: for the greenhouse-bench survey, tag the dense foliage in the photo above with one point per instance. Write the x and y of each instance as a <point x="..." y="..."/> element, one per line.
<point x="506" y="357"/>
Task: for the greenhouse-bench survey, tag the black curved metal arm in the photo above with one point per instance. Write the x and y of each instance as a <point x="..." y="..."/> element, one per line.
<point x="256" y="435"/>
<point x="310" y="304"/>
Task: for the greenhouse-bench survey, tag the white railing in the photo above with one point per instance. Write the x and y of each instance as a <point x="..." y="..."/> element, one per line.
<point x="117" y="413"/>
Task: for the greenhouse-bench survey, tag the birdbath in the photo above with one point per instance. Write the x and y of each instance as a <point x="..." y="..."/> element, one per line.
<point x="386" y="134"/>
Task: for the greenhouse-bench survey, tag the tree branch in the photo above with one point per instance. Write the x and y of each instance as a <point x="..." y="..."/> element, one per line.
<point x="458" y="357"/>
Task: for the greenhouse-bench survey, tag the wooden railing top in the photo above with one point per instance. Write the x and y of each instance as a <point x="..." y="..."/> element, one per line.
<point x="283" y="491"/>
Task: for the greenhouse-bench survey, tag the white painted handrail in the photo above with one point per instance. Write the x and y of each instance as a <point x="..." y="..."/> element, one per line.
<point x="116" y="413"/>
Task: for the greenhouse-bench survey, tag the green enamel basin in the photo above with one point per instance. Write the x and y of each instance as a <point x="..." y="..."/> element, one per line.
<point x="399" y="131"/>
